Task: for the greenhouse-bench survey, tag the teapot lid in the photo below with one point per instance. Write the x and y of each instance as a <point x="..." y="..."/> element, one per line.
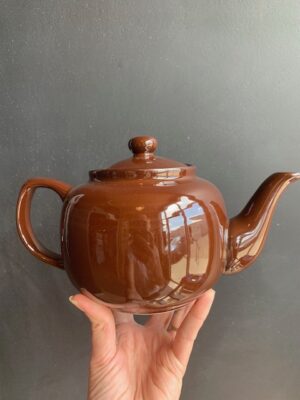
<point x="143" y="148"/>
<point x="144" y="163"/>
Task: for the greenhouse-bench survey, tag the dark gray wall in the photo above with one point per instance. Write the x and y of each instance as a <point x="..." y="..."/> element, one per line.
<point x="218" y="83"/>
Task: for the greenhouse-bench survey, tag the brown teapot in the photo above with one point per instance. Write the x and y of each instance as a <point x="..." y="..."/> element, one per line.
<point x="147" y="235"/>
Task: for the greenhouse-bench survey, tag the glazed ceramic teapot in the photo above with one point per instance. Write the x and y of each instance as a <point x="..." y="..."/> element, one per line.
<point x="147" y="235"/>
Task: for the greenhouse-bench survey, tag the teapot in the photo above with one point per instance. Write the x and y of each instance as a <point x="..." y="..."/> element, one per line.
<point x="147" y="234"/>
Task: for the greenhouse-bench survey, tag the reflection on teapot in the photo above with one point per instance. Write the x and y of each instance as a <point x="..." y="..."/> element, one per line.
<point x="147" y="235"/>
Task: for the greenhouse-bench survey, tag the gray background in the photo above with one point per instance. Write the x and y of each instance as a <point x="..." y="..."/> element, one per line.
<point x="218" y="83"/>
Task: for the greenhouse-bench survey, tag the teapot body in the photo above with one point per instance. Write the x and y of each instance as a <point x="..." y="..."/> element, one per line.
<point x="144" y="245"/>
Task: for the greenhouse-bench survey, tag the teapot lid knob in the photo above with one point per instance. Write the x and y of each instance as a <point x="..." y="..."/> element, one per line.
<point x="142" y="145"/>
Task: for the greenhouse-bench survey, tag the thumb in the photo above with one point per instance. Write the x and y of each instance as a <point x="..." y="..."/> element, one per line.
<point x="102" y="325"/>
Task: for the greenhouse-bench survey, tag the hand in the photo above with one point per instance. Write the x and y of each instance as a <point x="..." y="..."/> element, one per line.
<point x="134" y="362"/>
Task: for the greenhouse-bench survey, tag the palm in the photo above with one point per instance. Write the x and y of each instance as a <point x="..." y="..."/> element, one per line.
<point x="130" y="361"/>
<point x="142" y="365"/>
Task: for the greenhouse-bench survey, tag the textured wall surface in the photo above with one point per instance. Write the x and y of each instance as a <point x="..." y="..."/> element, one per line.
<point x="218" y="83"/>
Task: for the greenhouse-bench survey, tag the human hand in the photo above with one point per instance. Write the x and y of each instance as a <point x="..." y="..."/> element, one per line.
<point x="135" y="362"/>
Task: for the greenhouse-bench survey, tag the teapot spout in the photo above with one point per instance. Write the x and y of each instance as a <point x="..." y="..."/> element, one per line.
<point x="248" y="230"/>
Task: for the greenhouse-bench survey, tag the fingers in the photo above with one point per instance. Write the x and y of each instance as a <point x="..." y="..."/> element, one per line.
<point x="103" y="328"/>
<point x="160" y="321"/>
<point x="120" y="317"/>
<point x="188" y="330"/>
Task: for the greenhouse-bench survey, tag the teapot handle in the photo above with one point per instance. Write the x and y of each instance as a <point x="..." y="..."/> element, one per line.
<point x="23" y="218"/>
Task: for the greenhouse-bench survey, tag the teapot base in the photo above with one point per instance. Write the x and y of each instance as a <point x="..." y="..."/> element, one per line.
<point x="142" y="308"/>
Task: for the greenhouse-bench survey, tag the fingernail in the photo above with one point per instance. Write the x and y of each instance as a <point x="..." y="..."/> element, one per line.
<point x="73" y="301"/>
